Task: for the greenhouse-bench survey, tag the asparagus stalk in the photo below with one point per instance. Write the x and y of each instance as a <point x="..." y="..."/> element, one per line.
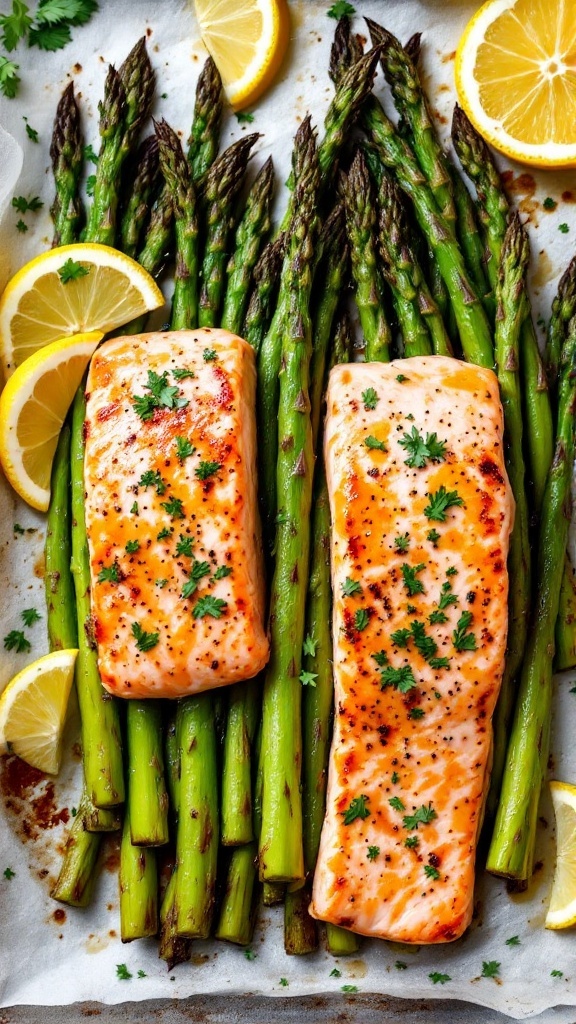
<point x="138" y="885"/>
<point x="345" y="51"/>
<point x="260" y="307"/>
<point x="361" y="227"/>
<point x="147" y="795"/>
<point x="143" y="188"/>
<point x="75" y="884"/>
<point x="126" y="106"/>
<point x="251" y="233"/>
<point x="176" y="172"/>
<point x="280" y="849"/>
<point x="67" y="158"/>
<point x="238" y="910"/>
<point x="565" y="639"/>
<point x="59" y="585"/>
<point x="241" y="722"/>
<point x="154" y="251"/>
<point x="171" y="948"/>
<point x="172" y="763"/>
<point x="101" y="743"/>
<point x="205" y="133"/>
<point x="512" y="309"/>
<point x="197" y="831"/>
<point x="396" y="154"/>
<point x="223" y="183"/>
<point x="330" y="281"/>
<point x="512" y="849"/>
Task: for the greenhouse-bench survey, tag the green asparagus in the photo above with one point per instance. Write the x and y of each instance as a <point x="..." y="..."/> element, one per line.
<point x="154" y="251"/>
<point x="59" y="585"/>
<point x="177" y="175"/>
<point x="67" y="159"/>
<point x="77" y="878"/>
<point x="142" y="190"/>
<point x="138" y="886"/>
<point x="205" y="133"/>
<point x="242" y="719"/>
<point x="265" y="288"/>
<point x="147" y="805"/>
<point x="238" y="909"/>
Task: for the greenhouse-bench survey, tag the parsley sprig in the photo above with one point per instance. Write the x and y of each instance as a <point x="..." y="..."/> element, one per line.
<point x="161" y="396"/>
<point x="461" y="638"/>
<point x="440" y="501"/>
<point x="358" y="809"/>
<point x="144" y="641"/>
<point x="421" y="451"/>
<point x="423" y="816"/>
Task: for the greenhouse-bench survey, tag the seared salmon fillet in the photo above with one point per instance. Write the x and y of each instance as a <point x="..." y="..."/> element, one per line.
<point x="421" y="516"/>
<point x="177" y="581"/>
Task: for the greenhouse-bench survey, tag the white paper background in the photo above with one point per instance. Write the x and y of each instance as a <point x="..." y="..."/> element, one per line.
<point x="43" y="962"/>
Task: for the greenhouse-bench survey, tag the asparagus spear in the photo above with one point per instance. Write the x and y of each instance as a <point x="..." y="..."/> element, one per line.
<point x="75" y="884"/>
<point x="59" y="585"/>
<point x="478" y="163"/>
<point x="223" y="182"/>
<point x="153" y="253"/>
<point x="67" y="158"/>
<point x="142" y="190"/>
<point x="138" y="885"/>
<point x="395" y="153"/>
<point x="250" y="235"/>
<point x="241" y="722"/>
<point x="280" y="849"/>
<point x="176" y="172"/>
<point x="330" y="281"/>
<point x="361" y="227"/>
<point x="147" y="796"/>
<point x="205" y="133"/>
<point x="126" y="106"/>
<point x="512" y="849"/>
<point x="345" y="51"/>
<point x="512" y="309"/>
<point x="238" y="910"/>
<point x="101" y="743"/>
<point x="171" y="948"/>
<point x="260" y="307"/>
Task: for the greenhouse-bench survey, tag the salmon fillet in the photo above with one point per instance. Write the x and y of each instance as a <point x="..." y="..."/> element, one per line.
<point x="421" y="516"/>
<point x="177" y="581"/>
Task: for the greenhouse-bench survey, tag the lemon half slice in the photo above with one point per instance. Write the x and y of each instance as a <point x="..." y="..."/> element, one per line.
<point x="562" y="909"/>
<point x="247" y="40"/>
<point x="33" y="710"/>
<point x="71" y="290"/>
<point x="516" y="79"/>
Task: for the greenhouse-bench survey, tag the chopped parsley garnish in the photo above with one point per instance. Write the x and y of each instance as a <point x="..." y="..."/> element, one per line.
<point x="409" y="573"/>
<point x="401" y="966"/>
<point x="341" y="9"/>
<point x="213" y="606"/>
<point x="370" y="398"/>
<point x="144" y="641"/>
<point x="309" y="646"/>
<point x="16" y="641"/>
<point x="31" y="132"/>
<point x="132" y="546"/>
<point x="182" y="373"/>
<point x="164" y="533"/>
<point x="439" y="979"/>
<point x="556" y="974"/>
<point x="250" y="954"/>
<point x="8" y="873"/>
<point x="361" y="619"/>
<point x="72" y="271"/>
<point x="412" y="842"/>
<point x="462" y="640"/>
<point x="161" y="583"/>
<point x="30" y="616"/>
<point x="424" y="644"/>
<point x="400" y="377"/>
<point x="197" y="572"/>
<point x="209" y="355"/>
<point x="437" y="618"/>
<point x="411" y="609"/>
<point x="563" y="228"/>
<point x="109" y="573"/>
<point x="9" y="77"/>
<point x="283" y="981"/>
<point x="122" y="972"/>
<point x="381" y="658"/>
<point x="18" y="529"/>
<point x="244" y="118"/>
<point x="440" y="501"/>
<point x="90" y="184"/>
<point x="142" y="974"/>
<point x="184" y="448"/>
<point x="162" y="395"/>
<point x="549" y="203"/>
<point x="152" y="478"/>
<point x="308" y="678"/>
<point x="513" y="941"/>
<point x="21" y="226"/>
<point x="402" y="679"/>
<point x="335" y="973"/>
<point x="423" y="816"/>
<point x="184" y="545"/>
<point x="490" y="968"/>
<point x="351" y="587"/>
<point x="23" y="205"/>
<point x="373" y="442"/>
<point x="173" y="507"/>
<point x="349" y="988"/>
<point x="400" y="637"/>
<point x="447" y="597"/>
<point x="89" y="155"/>
<point x="416" y="713"/>
<point x="373" y="852"/>
<point x="135" y="510"/>
<point x="431" y="872"/>
<point x="395" y="778"/>
<point x="207" y="469"/>
<point x="421" y="451"/>
<point x="452" y="571"/>
<point x="401" y="543"/>
<point x="357" y="809"/>
<point x="396" y="803"/>
<point x="439" y="663"/>
<point x="433" y="536"/>
<point x="222" y="572"/>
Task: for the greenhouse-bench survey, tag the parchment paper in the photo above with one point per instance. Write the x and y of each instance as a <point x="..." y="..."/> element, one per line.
<point x="45" y="960"/>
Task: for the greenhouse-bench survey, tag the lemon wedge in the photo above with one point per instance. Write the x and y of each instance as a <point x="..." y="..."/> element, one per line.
<point x="70" y="290"/>
<point x="247" y="40"/>
<point x="33" y="710"/>
<point x="516" y="79"/>
<point x="562" y="909"/>
<point x="33" y="406"/>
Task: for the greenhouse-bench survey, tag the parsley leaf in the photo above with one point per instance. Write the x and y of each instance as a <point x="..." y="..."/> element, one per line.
<point x="308" y="678"/>
<point x="462" y="640"/>
<point x="173" y="507"/>
<point x="395" y="778"/>
<point x="349" y="988"/>
<point x="447" y="597"/>
<point x="513" y="941"/>
<point x="381" y="658"/>
<point x="549" y="203"/>
<point x="421" y="451"/>
<point x="309" y="646"/>
<point x="361" y="619"/>
<point x="21" y="226"/>
<point x="422" y="816"/>
<point x="439" y="663"/>
<point x="431" y="872"/>
<point x="109" y="573"/>
<point x="24" y="205"/>
<point x="30" y="616"/>
<point x="437" y="617"/>
<point x="181" y="374"/>
<point x="433" y="536"/>
<point x="222" y="572"/>
<point x="400" y="637"/>
<point x="184" y="545"/>
<point x="409" y="573"/>
<point x="401" y="543"/>
<point x="244" y="118"/>
<point x="135" y="510"/>
<point x="122" y="972"/>
<point x="284" y="982"/>
<point x="90" y="155"/>
<point x="162" y="395"/>
<point x="50" y="37"/>
<point x="152" y="478"/>
<point x="335" y="973"/>
<point x="341" y="9"/>
<point x="563" y="228"/>
<point x="351" y="587"/>
<point x="416" y="713"/>
<point x="401" y="966"/>
<point x="9" y="874"/>
<point x="9" y="77"/>
<point x="197" y="572"/>
<point x="142" y="974"/>
<point x="209" y="605"/>
<point x="161" y="583"/>
<point x="412" y="842"/>
<point x="164" y="533"/>
<point x="424" y="644"/>
<point x="402" y="679"/>
<point x="144" y="641"/>
<point x="16" y="641"/>
<point x="132" y="546"/>
<point x="71" y="271"/>
<point x="439" y="979"/>
<point x="184" y="448"/>
<point x="373" y="852"/>
<point x="490" y="968"/>
<point x="556" y="974"/>
<point x="207" y="469"/>
<point x="440" y="501"/>
<point x="15" y="25"/>
<point x="370" y="398"/>
<point x="396" y="803"/>
<point x="357" y="809"/>
<point x="31" y="132"/>
<point x="373" y="443"/>
<point x="209" y="355"/>
<point x="250" y="954"/>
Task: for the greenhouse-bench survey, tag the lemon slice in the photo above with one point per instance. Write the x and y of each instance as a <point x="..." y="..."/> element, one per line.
<point x="33" y="710"/>
<point x="562" y="909"/>
<point x="69" y="290"/>
<point x="33" y="407"/>
<point x="247" y="40"/>
<point x="516" y="79"/>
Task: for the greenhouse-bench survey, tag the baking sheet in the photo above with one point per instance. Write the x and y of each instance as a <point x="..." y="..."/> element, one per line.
<point x="52" y="955"/>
